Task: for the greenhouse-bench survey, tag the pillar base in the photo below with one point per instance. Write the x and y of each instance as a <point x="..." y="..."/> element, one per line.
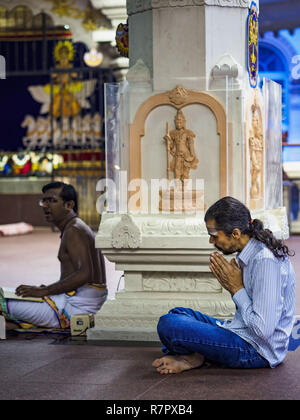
<point x="165" y="259"/>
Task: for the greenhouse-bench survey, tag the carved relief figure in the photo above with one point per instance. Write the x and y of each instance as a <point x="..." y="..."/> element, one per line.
<point x="180" y="144"/>
<point x="256" y="153"/>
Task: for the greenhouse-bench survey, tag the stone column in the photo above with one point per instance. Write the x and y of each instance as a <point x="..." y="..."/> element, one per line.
<point x="179" y="39"/>
<point x="199" y="45"/>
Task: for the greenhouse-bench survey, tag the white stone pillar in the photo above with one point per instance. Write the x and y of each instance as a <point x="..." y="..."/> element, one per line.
<point x="181" y="39"/>
<point x="199" y="45"/>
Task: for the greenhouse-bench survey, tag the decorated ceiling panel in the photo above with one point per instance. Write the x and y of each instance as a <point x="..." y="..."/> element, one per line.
<point x="78" y="15"/>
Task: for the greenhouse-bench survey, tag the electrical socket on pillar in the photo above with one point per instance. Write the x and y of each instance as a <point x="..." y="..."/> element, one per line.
<point x="2" y="328"/>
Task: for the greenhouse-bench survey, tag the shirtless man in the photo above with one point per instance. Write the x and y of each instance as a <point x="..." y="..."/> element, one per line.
<point x="82" y="284"/>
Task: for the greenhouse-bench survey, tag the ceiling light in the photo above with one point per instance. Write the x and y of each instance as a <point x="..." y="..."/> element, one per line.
<point x="93" y="58"/>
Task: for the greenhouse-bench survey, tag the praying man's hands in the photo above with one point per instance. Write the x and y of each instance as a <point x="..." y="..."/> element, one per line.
<point x="228" y="274"/>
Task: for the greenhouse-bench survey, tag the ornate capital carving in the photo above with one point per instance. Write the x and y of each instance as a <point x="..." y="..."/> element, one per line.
<point x="225" y="70"/>
<point x="126" y="234"/>
<point x="151" y="226"/>
<point x="179" y="282"/>
<point x="175" y="3"/>
<point x="227" y="3"/>
<point x="138" y="6"/>
<point x="178" y="96"/>
<point x="227" y="66"/>
<point x="139" y="73"/>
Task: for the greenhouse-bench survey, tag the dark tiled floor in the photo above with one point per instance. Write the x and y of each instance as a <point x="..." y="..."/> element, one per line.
<point x="40" y="368"/>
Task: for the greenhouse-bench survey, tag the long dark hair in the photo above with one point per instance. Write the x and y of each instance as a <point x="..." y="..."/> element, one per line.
<point x="230" y="214"/>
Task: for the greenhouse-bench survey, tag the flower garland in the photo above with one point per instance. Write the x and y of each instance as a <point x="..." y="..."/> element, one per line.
<point x="253" y="45"/>
<point x="3" y="162"/>
<point x="21" y="161"/>
<point x="122" y="39"/>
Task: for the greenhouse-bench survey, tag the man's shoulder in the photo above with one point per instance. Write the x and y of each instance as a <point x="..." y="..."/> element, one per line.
<point x="262" y="251"/>
<point x="79" y="227"/>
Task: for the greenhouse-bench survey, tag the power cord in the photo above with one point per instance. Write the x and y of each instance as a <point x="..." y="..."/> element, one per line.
<point x="119" y="282"/>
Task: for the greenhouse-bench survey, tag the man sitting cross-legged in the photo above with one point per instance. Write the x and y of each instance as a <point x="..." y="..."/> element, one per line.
<point x="262" y="286"/>
<point x="82" y="284"/>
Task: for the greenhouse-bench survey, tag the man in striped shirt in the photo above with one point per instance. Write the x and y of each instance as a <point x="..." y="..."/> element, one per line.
<point x="262" y="285"/>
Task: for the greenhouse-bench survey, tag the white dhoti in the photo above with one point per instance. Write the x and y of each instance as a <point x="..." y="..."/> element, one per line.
<point x="56" y="311"/>
<point x="35" y="313"/>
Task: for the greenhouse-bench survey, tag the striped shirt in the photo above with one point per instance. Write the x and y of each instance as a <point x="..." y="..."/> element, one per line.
<point x="265" y="306"/>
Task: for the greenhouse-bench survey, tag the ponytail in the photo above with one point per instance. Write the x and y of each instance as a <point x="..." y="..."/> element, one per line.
<point x="256" y="230"/>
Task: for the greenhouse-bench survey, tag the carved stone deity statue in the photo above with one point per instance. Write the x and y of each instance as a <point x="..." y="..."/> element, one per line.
<point x="180" y="144"/>
<point x="256" y="154"/>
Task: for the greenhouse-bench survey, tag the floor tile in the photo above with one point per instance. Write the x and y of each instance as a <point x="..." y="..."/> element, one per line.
<point x="92" y="371"/>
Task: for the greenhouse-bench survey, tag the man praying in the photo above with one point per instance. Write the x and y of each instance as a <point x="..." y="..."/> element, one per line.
<point x="262" y="286"/>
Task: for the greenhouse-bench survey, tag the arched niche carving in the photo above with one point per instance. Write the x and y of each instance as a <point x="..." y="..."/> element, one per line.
<point x="178" y="98"/>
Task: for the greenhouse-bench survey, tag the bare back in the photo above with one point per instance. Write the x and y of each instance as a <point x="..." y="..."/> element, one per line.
<point x="76" y="236"/>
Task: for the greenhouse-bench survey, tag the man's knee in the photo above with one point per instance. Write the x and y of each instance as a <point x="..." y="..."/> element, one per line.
<point x="167" y="320"/>
<point x="164" y="324"/>
<point x="178" y="310"/>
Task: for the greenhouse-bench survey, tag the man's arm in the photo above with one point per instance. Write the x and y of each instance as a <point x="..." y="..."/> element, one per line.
<point x="81" y="260"/>
<point x="262" y="312"/>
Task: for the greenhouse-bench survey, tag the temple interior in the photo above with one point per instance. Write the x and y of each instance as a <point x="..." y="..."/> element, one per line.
<point x="152" y="110"/>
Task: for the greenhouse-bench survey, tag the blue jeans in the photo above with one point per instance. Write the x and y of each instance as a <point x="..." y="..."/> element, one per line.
<point x="184" y="331"/>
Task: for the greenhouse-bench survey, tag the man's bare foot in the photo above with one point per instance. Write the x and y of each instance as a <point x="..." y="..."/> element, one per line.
<point x="178" y="364"/>
<point x="9" y="326"/>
